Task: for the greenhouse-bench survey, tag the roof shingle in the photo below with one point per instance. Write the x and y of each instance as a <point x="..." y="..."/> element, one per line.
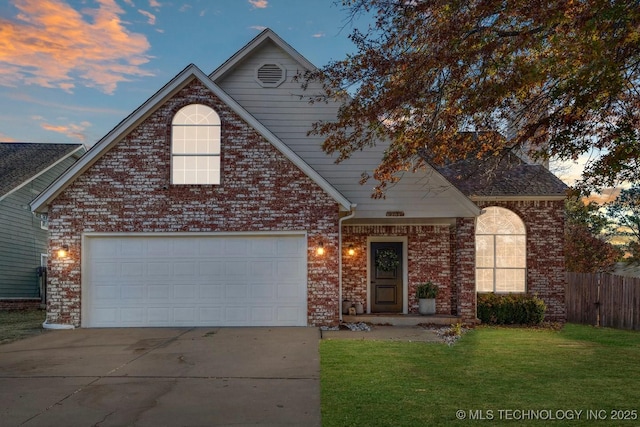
<point x="505" y="175"/>
<point x="20" y="161"/>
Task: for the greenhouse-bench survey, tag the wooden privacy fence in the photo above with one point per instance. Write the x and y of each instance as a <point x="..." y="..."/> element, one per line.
<point x="603" y="299"/>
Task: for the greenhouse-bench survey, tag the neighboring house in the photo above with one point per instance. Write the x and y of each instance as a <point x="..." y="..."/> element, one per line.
<point x="25" y="170"/>
<point x="210" y="205"/>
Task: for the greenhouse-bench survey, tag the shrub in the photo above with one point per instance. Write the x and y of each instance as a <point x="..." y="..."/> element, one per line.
<point x="427" y="290"/>
<point x="511" y="309"/>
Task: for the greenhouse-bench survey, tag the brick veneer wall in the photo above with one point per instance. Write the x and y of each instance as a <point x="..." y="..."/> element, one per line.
<point x="20" y="304"/>
<point x="429" y="254"/>
<point x="463" y="266"/>
<point x="546" y="277"/>
<point x="128" y="190"/>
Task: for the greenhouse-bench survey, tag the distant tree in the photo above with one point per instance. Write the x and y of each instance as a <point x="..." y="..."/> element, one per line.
<point x="589" y="215"/>
<point x="561" y="77"/>
<point x="625" y="212"/>
<point x="586" y="247"/>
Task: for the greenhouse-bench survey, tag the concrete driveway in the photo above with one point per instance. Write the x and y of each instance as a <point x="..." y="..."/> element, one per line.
<point x="162" y="377"/>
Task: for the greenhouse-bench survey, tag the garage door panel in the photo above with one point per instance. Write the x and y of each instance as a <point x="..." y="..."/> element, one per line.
<point x="263" y="270"/>
<point x="210" y="315"/>
<point x="195" y="281"/>
<point x="132" y="315"/>
<point x="236" y="315"/>
<point x="261" y="292"/>
<point x="211" y="291"/>
<point x="185" y="268"/>
<point x="236" y="291"/>
<point x="132" y="292"/>
<point x="107" y="293"/>
<point x="287" y="291"/>
<point x="131" y="248"/>
<point x="211" y="269"/>
<point x="160" y="292"/>
<point x="188" y="292"/>
<point x="159" y="270"/>
<point x="235" y="269"/>
<point x="287" y="314"/>
<point x="263" y="248"/>
<point x="236" y="248"/>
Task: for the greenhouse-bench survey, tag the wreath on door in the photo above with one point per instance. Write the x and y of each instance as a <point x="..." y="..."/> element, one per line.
<point x="387" y="260"/>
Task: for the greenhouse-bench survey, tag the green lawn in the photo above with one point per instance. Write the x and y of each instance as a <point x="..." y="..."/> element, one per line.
<point x="15" y="325"/>
<point x="504" y="375"/>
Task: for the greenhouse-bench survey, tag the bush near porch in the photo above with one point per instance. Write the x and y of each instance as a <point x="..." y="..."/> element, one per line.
<point x="510" y="309"/>
<point x="377" y="383"/>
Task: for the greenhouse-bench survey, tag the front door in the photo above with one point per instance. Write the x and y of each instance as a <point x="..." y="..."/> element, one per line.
<point x="386" y="277"/>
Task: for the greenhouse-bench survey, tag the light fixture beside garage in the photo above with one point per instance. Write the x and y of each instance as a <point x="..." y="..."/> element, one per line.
<point x="63" y="252"/>
<point x="351" y="251"/>
<point x="320" y="250"/>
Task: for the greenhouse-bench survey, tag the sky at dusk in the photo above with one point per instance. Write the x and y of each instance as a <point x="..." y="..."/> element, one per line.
<point x="70" y="70"/>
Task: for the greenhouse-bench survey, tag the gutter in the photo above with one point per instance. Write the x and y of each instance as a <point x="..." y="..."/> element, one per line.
<point x="352" y="213"/>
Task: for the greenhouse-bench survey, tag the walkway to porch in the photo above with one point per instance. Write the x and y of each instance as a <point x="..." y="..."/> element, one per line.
<point x="402" y="319"/>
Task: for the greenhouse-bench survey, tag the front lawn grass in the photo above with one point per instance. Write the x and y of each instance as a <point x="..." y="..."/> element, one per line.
<point x="506" y="376"/>
<point x="18" y="324"/>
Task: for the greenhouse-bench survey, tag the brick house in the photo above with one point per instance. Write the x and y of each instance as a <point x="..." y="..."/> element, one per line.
<point x="210" y="205"/>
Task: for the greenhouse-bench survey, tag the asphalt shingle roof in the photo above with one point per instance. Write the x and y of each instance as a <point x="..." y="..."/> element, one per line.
<point x="20" y="161"/>
<point x="505" y="175"/>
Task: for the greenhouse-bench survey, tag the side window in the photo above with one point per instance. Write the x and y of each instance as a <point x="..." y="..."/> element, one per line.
<point x="501" y="251"/>
<point x="195" y="146"/>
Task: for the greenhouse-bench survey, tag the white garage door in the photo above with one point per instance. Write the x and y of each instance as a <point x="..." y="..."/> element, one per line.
<point x="195" y="280"/>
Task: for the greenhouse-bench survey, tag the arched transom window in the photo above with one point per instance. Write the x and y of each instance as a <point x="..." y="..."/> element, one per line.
<point x="195" y="146"/>
<point x="501" y="251"/>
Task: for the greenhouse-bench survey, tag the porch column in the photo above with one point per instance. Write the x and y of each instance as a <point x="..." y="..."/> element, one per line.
<point x="464" y="266"/>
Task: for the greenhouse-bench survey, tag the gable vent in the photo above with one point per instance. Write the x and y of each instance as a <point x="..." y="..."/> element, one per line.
<point x="270" y="75"/>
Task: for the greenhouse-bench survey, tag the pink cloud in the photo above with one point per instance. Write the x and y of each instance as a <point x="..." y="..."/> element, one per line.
<point x="6" y="138"/>
<point x="259" y="4"/>
<point x="71" y="130"/>
<point x="51" y="44"/>
<point x="154" y="3"/>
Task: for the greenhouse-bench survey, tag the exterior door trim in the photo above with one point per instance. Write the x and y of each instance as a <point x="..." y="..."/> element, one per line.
<point x="405" y="270"/>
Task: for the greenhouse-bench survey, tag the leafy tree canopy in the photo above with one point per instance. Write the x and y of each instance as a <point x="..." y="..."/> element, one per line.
<point x="586" y="247"/>
<point x="558" y="77"/>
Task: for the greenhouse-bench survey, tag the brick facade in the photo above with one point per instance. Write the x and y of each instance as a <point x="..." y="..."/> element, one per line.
<point x="128" y="190"/>
<point x="546" y="277"/>
<point x="446" y="256"/>
<point x="463" y="266"/>
<point x="431" y="254"/>
<point x="20" y="304"/>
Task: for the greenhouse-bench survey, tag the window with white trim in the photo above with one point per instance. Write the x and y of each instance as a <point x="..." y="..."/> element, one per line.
<point x="501" y="251"/>
<point x="195" y="146"/>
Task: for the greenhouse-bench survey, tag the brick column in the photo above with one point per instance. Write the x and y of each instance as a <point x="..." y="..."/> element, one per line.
<point x="464" y="274"/>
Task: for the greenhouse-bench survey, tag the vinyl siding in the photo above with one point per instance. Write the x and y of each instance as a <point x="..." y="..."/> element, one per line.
<point x="290" y="117"/>
<point x="22" y="240"/>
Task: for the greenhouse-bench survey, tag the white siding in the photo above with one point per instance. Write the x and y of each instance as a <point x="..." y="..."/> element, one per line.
<point x="281" y="110"/>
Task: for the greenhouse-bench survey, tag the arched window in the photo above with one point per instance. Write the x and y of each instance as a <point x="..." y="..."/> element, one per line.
<point x="195" y="146"/>
<point x="501" y="251"/>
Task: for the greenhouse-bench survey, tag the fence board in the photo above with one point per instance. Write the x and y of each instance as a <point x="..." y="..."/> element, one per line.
<point x="603" y="299"/>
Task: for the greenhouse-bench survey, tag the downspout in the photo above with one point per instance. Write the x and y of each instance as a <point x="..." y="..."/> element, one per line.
<point x="351" y="214"/>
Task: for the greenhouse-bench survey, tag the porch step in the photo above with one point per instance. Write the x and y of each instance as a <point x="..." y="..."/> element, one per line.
<point x="402" y="319"/>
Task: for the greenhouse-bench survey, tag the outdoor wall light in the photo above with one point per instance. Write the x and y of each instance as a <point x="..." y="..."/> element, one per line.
<point x="63" y="252"/>
<point x="351" y="251"/>
<point x="320" y="250"/>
